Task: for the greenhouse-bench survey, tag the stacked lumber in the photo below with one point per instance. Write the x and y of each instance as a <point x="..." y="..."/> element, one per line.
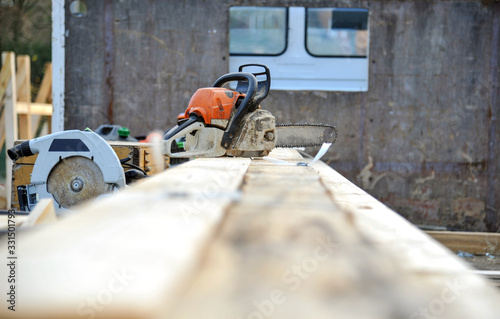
<point x="476" y="243"/>
<point x="8" y="116"/>
<point x="18" y="102"/>
<point x="242" y="238"/>
<point x="15" y="100"/>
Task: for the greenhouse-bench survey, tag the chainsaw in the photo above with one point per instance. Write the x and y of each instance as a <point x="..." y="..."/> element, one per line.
<point x="220" y="121"/>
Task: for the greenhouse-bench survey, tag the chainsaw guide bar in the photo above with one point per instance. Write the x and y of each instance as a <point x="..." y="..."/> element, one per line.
<point x="305" y="135"/>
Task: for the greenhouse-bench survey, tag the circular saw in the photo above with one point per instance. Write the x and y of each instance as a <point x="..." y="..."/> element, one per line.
<point x="72" y="167"/>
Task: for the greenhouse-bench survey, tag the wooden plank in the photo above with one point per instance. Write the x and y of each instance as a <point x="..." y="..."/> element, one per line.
<point x="35" y="108"/>
<point x="306" y="242"/>
<point x="4" y="220"/>
<point x="44" y="91"/>
<point x="294" y="242"/>
<point x="3" y="197"/>
<point x="5" y="75"/>
<point x="10" y="118"/>
<point x="2" y="129"/>
<point x="494" y="274"/>
<point x="385" y="227"/>
<point x="44" y="95"/>
<point x="23" y="80"/>
<point x="43" y="213"/>
<point x="476" y="243"/>
<point x="140" y="243"/>
<point x="21" y="175"/>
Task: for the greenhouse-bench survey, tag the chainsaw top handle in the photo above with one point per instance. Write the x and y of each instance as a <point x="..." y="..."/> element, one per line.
<point x="262" y="86"/>
<point x="246" y="105"/>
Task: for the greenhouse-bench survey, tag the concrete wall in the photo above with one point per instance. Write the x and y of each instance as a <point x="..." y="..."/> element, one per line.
<point x="423" y="139"/>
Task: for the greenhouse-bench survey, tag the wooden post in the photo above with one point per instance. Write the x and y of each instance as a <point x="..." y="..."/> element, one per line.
<point x="44" y="96"/>
<point x="5" y="74"/>
<point x="10" y="118"/>
<point x="23" y="78"/>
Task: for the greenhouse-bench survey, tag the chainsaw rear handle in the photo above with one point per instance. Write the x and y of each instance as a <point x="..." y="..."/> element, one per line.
<point x="244" y="107"/>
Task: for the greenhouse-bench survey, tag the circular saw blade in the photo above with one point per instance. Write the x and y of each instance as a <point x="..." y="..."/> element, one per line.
<point x="74" y="180"/>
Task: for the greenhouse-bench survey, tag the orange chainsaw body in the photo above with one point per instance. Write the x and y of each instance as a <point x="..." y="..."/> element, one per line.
<point x="223" y="122"/>
<point x="213" y="103"/>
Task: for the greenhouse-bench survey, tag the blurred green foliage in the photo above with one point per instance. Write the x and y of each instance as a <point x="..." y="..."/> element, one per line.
<point x="25" y="28"/>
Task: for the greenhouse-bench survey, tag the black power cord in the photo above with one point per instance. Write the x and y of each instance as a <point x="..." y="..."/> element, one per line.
<point x="126" y="159"/>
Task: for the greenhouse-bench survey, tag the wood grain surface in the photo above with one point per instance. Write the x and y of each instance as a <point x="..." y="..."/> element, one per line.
<point x="242" y="238"/>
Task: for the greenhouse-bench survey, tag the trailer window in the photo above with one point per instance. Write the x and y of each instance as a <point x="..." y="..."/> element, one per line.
<point x="257" y="30"/>
<point x="337" y="32"/>
<point x="305" y="48"/>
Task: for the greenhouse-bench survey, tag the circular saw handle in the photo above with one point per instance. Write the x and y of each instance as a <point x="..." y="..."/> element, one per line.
<point x="246" y="105"/>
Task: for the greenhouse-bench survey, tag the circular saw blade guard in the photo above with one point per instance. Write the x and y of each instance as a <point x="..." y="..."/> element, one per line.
<point x="74" y="166"/>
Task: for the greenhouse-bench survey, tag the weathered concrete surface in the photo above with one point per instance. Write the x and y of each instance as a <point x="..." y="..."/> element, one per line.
<point x="161" y="51"/>
<point x="420" y="139"/>
<point x="423" y="139"/>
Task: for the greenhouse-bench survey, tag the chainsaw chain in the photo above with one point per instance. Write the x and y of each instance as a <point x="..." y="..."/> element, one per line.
<point x="307" y="124"/>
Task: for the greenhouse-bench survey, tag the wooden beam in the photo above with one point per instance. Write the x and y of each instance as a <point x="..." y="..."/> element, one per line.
<point x="304" y="241"/>
<point x="493" y="274"/>
<point x="240" y="238"/>
<point x="23" y="80"/>
<point x="35" y="108"/>
<point x="4" y="221"/>
<point x="149" y="237"/>
<point x="3" y="197"/>
<point x="10" y="118"/>
<point x="2" y="129"/>
<point x="5" y="74"/>
<point x="476" y="243"/>
<point x="44" y="212"/>
<point x="44" y="95"/>
<point x="44" y="91"/>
